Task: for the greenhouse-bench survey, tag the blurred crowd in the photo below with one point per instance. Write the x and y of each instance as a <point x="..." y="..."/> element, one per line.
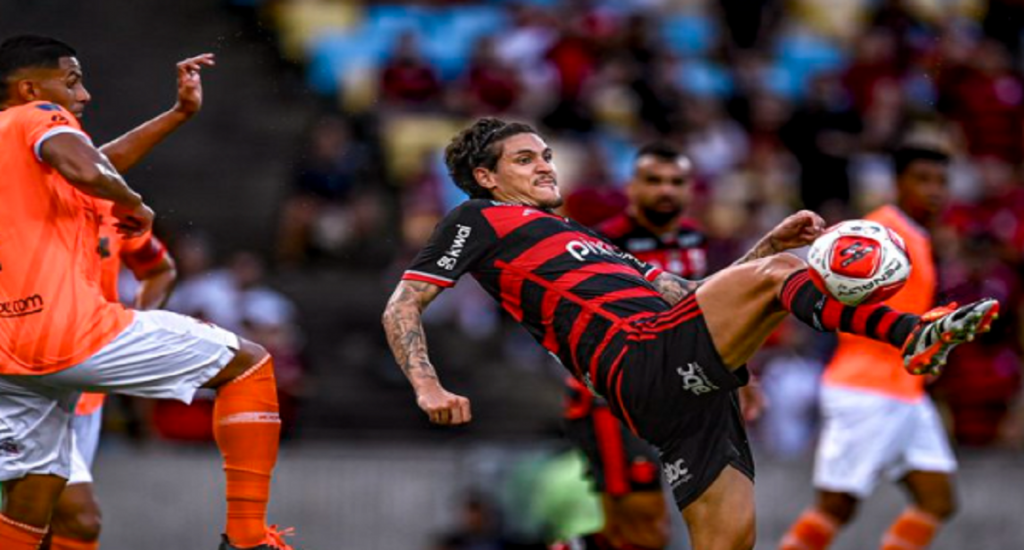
<point x="780" y="104"/>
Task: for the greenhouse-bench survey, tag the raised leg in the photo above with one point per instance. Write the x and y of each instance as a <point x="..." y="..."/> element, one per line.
<point x="741" y="305"/>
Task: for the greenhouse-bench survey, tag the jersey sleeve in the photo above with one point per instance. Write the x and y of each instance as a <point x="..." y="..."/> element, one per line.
<point x="458" y="244"/>
<point x="143" y="253"/>
<point x="42" y="121"/>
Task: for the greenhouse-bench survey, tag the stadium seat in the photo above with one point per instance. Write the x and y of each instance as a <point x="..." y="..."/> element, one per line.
<point x="803" y="55"/>
<point x="704" y="78"/>
<point x="689" y="34"/>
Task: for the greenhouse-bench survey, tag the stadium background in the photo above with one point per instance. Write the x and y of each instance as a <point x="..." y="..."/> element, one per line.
<point x="293" y="200"/>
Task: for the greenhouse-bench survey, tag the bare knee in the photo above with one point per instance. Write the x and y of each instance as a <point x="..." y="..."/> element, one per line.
<point x="839" y="506"/>
<point x="249" y="354"/>
<point x="83" y="524"/>
<point x="774" y="270"/>
<point x="942" y="507"/>
<point x="741" y="535"/>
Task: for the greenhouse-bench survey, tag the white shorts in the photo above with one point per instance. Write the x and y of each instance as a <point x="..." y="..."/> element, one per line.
<point x="85" y="433"/>
<point x="866" y="435"/>
<point x="159" y="355"/>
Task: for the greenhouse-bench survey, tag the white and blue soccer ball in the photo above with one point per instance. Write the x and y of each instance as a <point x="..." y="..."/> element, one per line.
<point x="859" y="262"/>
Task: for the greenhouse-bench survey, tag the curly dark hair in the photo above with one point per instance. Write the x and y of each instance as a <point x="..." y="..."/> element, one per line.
<point x="479" y="146"/>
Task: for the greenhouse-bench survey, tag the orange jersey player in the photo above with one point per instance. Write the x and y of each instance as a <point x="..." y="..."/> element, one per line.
<point x="59" y="334"/>
<point x="877" y="419"/>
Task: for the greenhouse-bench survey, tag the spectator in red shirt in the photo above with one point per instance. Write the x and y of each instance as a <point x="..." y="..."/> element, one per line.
<point x="407" y="78"/>
<point x="988" y="103"/>
<point x="492" y="86"/>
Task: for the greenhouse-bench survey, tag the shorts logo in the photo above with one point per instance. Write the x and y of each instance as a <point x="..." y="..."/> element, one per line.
<point x="9" y="447"/>
<point x="694" y="379"/>
<point x="676" y="473"/>
<point x="22" y="307"/>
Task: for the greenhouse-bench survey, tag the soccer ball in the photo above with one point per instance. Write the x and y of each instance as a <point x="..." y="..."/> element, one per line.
<point x="859" y="262"/>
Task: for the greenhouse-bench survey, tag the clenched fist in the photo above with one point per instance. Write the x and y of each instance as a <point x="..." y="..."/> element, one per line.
<point x="443" y="407"/>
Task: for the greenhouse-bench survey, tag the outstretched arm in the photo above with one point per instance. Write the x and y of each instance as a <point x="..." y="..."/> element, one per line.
<point x="796" y="230"/>
<point x="404" y="328"/>
<point x="127" y="150"/>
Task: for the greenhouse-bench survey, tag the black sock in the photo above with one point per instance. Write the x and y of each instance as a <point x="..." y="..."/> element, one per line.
<point x="826" y="314"/>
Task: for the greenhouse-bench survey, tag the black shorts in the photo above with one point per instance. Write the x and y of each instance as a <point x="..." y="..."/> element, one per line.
<point x="674" y="391"/>
<point x="618" y="461"/>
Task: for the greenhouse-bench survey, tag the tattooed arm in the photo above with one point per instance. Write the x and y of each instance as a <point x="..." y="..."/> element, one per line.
<point x="404" y="329"/>
<point x="762" y="249"/>
<point x="797" y="230"/>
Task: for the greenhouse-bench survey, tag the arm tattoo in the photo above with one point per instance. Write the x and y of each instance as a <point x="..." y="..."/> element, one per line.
<point x="674" y="288"/>
<point x="762" y="249"/>
<point x="404" y="329"/>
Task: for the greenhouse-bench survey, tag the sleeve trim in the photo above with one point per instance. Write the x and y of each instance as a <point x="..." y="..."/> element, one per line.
<point x="412" y="275"/>
<point x="37" y="148"/>
<point x="653" y="273"/>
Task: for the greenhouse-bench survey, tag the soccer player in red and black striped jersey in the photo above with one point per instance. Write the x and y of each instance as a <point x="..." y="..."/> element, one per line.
<point x="660" y="349"/>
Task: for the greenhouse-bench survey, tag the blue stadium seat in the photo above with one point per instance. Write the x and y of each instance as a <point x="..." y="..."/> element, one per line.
<point x="803" y="55"/>
<point x="689" y="34"/>
<point x="333" y="56"/>
<point x="704" y="79"/>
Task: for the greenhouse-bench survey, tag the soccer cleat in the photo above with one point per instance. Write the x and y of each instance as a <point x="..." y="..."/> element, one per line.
<point x="273" y="541"/>
<point x="941" y="330"/>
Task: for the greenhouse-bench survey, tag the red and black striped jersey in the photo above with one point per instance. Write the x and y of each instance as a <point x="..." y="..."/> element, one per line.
<point x="682" y="252"/>
<point x="569" y="287"/>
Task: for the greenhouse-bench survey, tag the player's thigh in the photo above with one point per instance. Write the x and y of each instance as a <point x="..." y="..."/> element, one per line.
<point x="740" y="305"/>
<point x="35" y="428"/>
<point x="160" y="355"/>
<point x="723" y="517"/>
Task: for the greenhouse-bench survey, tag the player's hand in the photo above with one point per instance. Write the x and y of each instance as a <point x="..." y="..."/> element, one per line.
<point x="133" y="222"/>
<point x="797" y="230"/>
<point x="443" y="407"/>
<point x="190" y="85"/>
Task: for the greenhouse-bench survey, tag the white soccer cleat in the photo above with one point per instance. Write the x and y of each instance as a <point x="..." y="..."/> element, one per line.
<point x="944" y="328"/>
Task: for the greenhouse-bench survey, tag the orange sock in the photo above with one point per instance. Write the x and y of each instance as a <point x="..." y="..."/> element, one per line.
<point x="247" y="429"/>
<point x="18" y="536"/>
<point x="62" y="543"/>
<point x="813" y="530"/>
<point x="913" y="530"/>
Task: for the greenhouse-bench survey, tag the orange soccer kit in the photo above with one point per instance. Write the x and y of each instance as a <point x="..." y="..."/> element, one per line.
<point x="865" y="364"/>
<point x="54" y="315"/>
<point x="52" y="312"/>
